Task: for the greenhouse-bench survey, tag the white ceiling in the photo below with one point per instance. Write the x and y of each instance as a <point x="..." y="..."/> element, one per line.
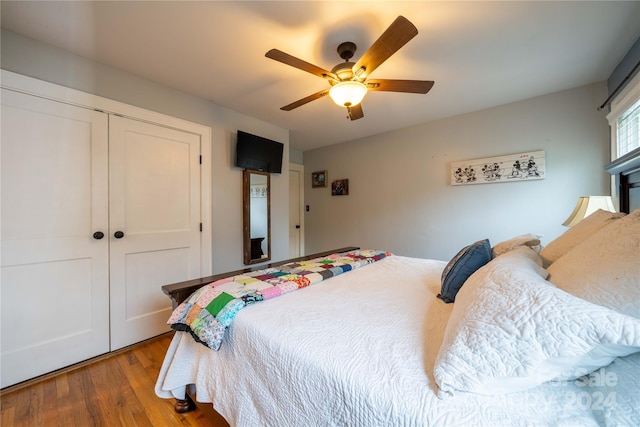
<point x="480" y="54"/>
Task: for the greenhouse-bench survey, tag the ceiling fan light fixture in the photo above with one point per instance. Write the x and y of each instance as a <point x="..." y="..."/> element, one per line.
<point x="348" y="80"/>
<point x="348" y="93"/>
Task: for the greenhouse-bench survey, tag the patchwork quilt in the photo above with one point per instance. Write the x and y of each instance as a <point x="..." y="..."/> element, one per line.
<point x="211" y="309"/>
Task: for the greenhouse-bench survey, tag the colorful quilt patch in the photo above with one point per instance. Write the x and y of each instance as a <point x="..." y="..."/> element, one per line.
<point x="211" y="309"/>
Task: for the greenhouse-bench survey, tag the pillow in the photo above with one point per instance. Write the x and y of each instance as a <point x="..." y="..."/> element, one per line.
<point x="576" y="234"/>
<point x="605" y="268"/>
<point x="530" y="240"/>
<point x="468" y="260"/>
<point x="511" y="330"/>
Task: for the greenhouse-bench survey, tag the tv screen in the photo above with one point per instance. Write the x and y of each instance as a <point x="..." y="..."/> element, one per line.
<point x="258" y="153"/>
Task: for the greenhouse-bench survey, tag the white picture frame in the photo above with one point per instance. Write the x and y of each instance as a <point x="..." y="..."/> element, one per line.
<point x="508" y="168"/>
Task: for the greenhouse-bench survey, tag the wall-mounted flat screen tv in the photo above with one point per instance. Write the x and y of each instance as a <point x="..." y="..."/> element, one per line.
<point x="258" y="153"/>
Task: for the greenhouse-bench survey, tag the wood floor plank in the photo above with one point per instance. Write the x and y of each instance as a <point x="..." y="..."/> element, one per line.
<point x="50" y="403"/>
<point x="23" y="401"/>
<point x="144" y="356"/>
<point x="96" y="414"/>
<point x="62" y="385"/>
<point x="65" y="405"/>
<point x="36" y="407"/>
<point x="129" y="407"/>
<point x="7" y="410"/>
<point x="143" y="385"/>
<point x="77" y="399"/>
<point x="99" y="377"/>
<point x="114" y="391"/>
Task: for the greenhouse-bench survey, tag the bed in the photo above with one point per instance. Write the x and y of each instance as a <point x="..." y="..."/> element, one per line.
<point x="531" y="339"/>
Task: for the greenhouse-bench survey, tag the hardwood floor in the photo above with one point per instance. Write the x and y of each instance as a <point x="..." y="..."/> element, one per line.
<point x="114" y="391"/>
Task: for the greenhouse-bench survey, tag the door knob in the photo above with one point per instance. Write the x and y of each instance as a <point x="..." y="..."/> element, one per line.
<point x="98" y="235"/>
<point x="297" y="225"/>
<point x="118" y="234"/>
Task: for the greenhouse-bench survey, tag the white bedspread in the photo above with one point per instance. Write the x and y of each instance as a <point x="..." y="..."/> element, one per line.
<point x="359" y="350"/>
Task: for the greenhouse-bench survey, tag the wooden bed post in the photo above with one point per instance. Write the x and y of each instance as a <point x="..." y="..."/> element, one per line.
<point x="184" y="405"/>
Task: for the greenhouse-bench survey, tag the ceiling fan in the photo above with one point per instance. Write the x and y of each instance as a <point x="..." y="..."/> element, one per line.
<point x="349" y="81"/>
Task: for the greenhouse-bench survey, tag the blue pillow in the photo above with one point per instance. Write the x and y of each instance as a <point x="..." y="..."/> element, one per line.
<point x="463" y="265"/>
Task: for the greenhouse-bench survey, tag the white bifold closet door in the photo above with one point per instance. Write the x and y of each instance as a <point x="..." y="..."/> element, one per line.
<point x="98" y="212"/>
<point x="154" y="186"/>
<point x="55" y="274"/>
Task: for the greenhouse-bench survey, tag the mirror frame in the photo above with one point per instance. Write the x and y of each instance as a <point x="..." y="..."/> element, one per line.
<point x="246" y="216"/>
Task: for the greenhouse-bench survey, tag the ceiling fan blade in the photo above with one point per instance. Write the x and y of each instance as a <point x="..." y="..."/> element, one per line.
<point x="355" y="112"/>
<point x="410" y="86"/>
<point x="394" y="37"/>
<point x="285" y="58"/>
<point x="305" y="100"/>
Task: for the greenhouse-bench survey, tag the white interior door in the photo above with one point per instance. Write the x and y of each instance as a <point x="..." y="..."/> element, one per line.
<point x="296" y="214"/>
<point x="54" y="289"/>
<point x="154" y="201"/>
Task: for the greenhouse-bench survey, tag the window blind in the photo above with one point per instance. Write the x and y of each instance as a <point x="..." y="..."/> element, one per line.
<point x="628" y="130"/>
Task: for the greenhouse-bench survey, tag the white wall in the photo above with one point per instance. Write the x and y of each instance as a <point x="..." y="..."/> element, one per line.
<point x="41" y="61"/>
<point x="400" y="197"/>
<point x="295" y="156"/>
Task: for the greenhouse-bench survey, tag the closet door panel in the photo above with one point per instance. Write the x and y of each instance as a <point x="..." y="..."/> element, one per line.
<point x="54" y="289"/>
<point x="155" y="203"/>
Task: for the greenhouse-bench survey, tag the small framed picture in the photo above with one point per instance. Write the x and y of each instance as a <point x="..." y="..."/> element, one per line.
<point x="318" y="179"/>
<point x="340" y="187"/>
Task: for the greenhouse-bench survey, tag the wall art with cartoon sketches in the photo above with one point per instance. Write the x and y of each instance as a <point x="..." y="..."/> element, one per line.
<point x="508" y="168"/>
<point x="258" y="190"/>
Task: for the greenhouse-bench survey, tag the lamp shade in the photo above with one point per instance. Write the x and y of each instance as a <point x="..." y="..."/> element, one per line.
<point x="348" y="93"/>
<point x="586" y="206"/>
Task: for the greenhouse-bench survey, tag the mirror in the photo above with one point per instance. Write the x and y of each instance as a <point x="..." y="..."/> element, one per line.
<point x="256" y="198"/>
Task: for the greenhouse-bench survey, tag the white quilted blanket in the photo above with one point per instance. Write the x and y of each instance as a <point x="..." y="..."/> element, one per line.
<point x="360" y="352"/>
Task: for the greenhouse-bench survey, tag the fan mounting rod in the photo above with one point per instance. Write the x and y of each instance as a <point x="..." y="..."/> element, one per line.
<point x="346" y="50"/>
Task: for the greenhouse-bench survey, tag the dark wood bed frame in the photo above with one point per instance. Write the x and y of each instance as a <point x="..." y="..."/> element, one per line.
<point x="178" y="292"/>
<point x="625" y="169"/>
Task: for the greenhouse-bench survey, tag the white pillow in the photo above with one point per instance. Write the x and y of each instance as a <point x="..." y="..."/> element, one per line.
<point x="511" y="330"/>
<point x="605" y="268"/>
<point x="577" y="234"/>
<point x="530" y="240"/>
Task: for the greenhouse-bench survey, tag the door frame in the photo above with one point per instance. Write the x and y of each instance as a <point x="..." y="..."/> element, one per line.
<point x="20" y="83"/>
<point x="300" y="169"/>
